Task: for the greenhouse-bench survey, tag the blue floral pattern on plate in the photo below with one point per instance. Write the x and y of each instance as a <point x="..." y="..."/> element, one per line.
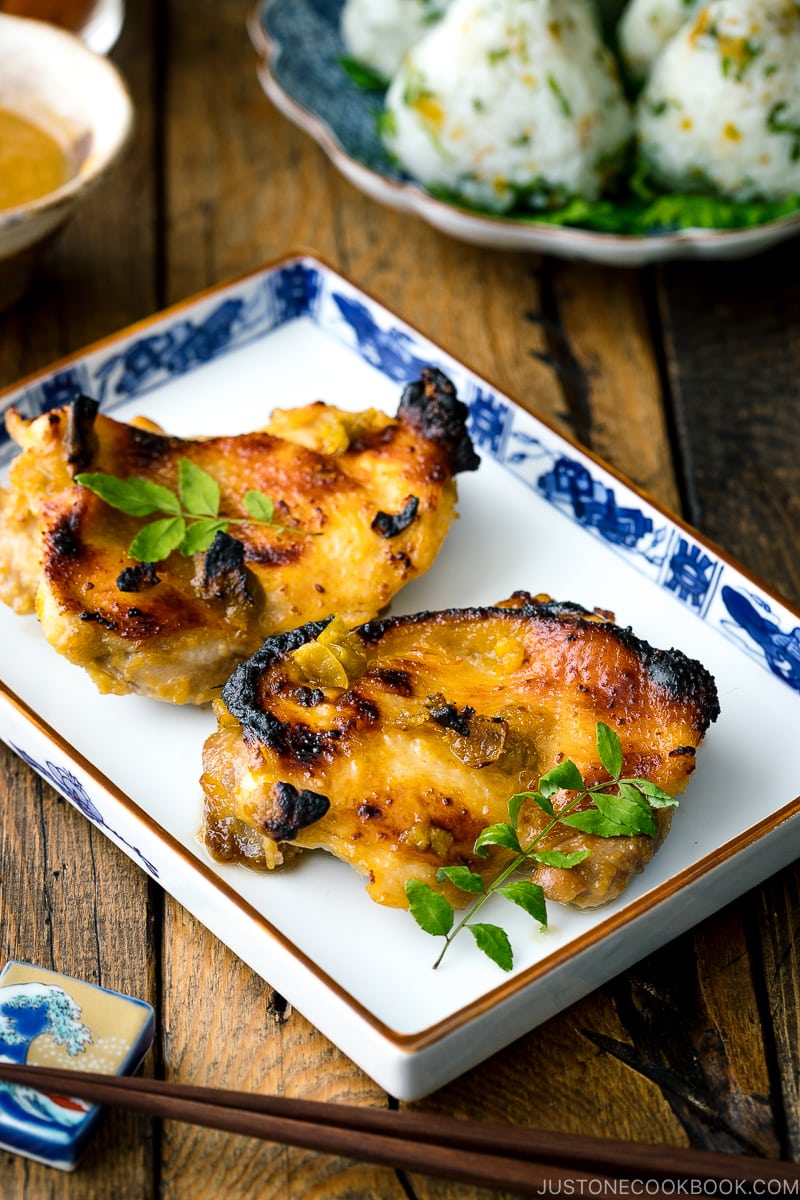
<point x="178" y="346"/>
<point x="749" y="614"/>
<point x="71" y="788"/>
<point x="572" y="484"/>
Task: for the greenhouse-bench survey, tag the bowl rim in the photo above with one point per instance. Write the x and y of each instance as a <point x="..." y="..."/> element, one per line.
<point x="81" y="180"/>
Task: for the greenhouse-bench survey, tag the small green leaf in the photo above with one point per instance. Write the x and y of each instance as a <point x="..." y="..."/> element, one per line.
<point x="629" y="810"/>
<point x="558" y="858"/>
<point x="199" y="491"/>
<point x="619" y="808"/>
<point x="259" y="506"/>
<point x="496" y="835"/>
<point x="516" y="802"/>
<point x="528" y="896"/>
<point x="593" y="821"/>
<point x="432" y="911"/>
<point x="362" y="76"/>
<point x="657" y="797"/>
<point x="609" y="749"/>
<point x="493" y="941"/>
<point x="543" y="803"/>
<point x="564" y="775"/>
<point x="157" y="540"/>
<point x="200" y="534"/>
<point x="462" y="877"/>
<point x="633" y="795"/>
<point x="134" y="496"/>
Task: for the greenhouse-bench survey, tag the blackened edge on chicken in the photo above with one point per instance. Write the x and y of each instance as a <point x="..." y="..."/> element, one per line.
<point x="80" y="441"/>
<point x="391" y="525"/>
<point x="294" y="810"/>
<point x="678" y="675"/>
<point x="138" y="578"/>
<point x="241" y="693"/>
<point x="224" y="572"/>
<point x="431" y="406"/>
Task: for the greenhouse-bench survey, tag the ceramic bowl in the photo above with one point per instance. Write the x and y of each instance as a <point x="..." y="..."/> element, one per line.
<point x="52" y="79"/>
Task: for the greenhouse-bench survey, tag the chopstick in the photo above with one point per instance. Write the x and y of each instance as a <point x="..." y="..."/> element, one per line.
<point x="338" y="1129"/>
<point x="485" y="1153"/>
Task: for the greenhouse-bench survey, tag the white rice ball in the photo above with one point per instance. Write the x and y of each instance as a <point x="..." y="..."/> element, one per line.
<point x="721" y="109"/>
<point x="379" y="33"/>
<point x="646" y="26"/>
<point x="510" y="102"/>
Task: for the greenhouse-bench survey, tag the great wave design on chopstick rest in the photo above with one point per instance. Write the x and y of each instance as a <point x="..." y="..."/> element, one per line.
<point x="48" y="1019"/>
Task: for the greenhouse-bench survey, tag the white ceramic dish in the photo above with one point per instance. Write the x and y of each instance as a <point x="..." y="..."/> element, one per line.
<point x="49" y="77"/>
<point x="540" y="515"/>
<point x="300" y="50"/>
<point x="104" y="26"/>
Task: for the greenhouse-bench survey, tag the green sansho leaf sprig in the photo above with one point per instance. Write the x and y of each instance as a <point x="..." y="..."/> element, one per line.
<point x="618" y="808"/>
<point x="191" y="518"/>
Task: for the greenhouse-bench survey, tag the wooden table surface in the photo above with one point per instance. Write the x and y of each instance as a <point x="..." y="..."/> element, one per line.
<point x="686" y="377"/>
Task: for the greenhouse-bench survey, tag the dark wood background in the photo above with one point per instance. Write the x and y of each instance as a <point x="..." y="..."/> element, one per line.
<point x="686" y="377"/>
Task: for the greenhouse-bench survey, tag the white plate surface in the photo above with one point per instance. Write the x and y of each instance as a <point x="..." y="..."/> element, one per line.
<point x="300" y="70"/>
<point x="298" y="332"/>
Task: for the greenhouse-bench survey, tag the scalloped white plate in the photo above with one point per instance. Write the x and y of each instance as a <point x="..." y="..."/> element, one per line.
<point x="540" y="515"/>
<point x="299" y="46"/>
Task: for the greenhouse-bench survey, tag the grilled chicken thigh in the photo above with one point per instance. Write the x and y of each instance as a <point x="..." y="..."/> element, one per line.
<point x="377" y="491"/>
<point x="393" y="745"/>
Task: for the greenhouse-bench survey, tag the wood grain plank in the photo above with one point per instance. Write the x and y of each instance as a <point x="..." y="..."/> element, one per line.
<point x="732" y="356"/>
<point x="693" y="1028"/>
<point x="480" y="305"/>
<point x="69" y="899"/>
<point x="224" y="1026"/>
<point x="614" y="390"/>
<point x="71" y="902"/>
<point x="776" y="920"/>
<point x="242" y="186"/>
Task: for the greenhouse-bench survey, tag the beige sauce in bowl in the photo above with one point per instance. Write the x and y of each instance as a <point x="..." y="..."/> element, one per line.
<point x="32" y="163"/>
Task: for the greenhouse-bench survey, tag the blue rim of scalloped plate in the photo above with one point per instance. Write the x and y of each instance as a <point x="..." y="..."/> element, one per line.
<point x="301" y="49"/>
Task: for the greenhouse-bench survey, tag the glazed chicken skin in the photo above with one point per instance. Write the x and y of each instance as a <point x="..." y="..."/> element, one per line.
<point x="439" y="718"/>
<point x="377" y="491"/>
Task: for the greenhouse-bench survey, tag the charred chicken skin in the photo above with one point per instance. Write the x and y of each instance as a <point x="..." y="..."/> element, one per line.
<point x="378" y="491"/>
<point x="394" y="744"/>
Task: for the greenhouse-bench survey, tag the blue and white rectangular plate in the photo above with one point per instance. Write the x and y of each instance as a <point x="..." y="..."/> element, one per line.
<point x="539" y="515"/>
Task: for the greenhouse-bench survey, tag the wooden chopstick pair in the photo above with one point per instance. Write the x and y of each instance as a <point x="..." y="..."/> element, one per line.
<point x="487" y="1154"/>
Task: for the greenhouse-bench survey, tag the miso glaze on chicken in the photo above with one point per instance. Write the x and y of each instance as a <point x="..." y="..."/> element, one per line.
<point x="364" y="501"/>
<point x="393" y="745"/>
